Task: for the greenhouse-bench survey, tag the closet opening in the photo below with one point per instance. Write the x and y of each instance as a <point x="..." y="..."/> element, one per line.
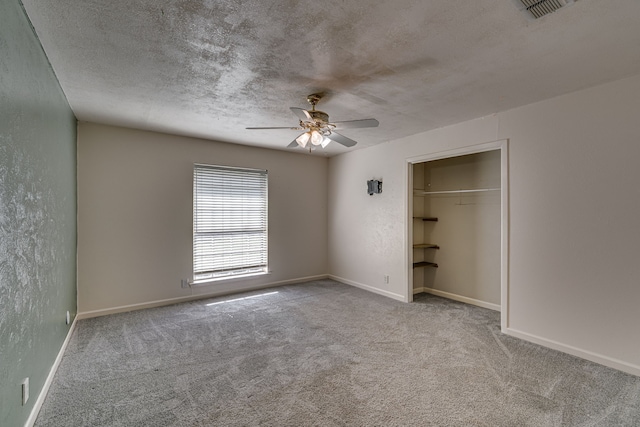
<point x="458" y="223"/>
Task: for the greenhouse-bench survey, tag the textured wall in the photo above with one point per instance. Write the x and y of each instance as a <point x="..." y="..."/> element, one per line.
<point x="37" y="214"/>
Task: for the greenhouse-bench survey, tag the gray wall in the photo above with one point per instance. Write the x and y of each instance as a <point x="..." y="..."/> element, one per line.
<point x="37" y="214"/>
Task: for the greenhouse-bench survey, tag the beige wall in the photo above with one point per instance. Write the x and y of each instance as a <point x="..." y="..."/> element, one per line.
<point x="574" y="202"/>
<point x="467" y="230"/>
<point x="135" y="214"/>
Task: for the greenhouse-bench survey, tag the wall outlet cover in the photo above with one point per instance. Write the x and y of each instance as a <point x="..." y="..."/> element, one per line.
<point x="25" y="391"/>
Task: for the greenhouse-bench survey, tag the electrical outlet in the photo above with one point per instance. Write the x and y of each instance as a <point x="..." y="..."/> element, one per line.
<point x="68" y="317"/>
<point x="386" y="279"/>
<point x="25" y="391"/>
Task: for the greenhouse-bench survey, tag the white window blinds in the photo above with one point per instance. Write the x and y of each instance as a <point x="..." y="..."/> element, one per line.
<point x="229" y="222"/>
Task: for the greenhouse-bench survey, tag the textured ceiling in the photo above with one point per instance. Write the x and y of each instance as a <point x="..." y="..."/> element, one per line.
<point x="210" y="68"/>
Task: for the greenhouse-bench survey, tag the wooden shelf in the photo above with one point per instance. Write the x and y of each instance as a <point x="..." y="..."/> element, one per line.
<point x="426" y="218"/>
<point x="426" y="246"/>
<point x="424" y="264"/>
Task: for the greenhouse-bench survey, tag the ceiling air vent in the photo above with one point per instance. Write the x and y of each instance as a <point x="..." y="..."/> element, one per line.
<point x="535" y="9"/>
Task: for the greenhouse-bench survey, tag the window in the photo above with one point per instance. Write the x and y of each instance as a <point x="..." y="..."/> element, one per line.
<point x="229" y="222"/>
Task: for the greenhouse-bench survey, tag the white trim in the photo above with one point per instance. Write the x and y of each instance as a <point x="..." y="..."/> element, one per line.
<point x="169" y="301"/>
<point x="217" y="281"/>
<point x="504" y="234"/>
<point x="52" y="372"/>
<point x="388" y="294"/>
<point x="475" y="190"/>
<point x="610" y="362"/>
<point x="503" y="146"/>
<point x="460" y="298"/>
<point x="408" y="233"/>
<point x="462" y="151"/>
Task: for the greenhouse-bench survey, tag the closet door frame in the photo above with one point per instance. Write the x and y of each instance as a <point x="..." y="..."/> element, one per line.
<point x="503" y="146"/>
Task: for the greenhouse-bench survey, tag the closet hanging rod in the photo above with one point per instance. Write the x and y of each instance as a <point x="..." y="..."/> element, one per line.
<point x="477" y="190"/>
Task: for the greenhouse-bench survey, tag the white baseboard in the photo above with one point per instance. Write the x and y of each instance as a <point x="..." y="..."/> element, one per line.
<point x="204" y="295"/>
<point x="455" y="297"/>
<point x="368" y="288"/>
<point x="574" y="351"/>
<point x="620" y="365"/>
<point x="52" y="372"/>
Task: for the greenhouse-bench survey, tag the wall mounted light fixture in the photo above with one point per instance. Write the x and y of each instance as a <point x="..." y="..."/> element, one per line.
<point x="374" y="187"/>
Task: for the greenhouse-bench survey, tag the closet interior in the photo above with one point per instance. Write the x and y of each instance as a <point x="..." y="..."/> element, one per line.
<point x="456" y="228"/>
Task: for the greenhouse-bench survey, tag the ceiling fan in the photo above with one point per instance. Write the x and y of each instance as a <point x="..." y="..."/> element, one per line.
<point x="318" y="130"/>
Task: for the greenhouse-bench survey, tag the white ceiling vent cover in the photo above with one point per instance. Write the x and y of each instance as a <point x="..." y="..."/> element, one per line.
<point x="535" y="9"/>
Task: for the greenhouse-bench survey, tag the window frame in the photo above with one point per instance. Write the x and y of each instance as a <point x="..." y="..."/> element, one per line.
<point x="257" y="237"/>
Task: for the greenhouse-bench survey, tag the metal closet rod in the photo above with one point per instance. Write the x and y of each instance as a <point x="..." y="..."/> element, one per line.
<point x="477" y="190"/>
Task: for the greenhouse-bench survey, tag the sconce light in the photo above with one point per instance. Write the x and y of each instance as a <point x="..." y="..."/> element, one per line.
<point x="374" y="187"/>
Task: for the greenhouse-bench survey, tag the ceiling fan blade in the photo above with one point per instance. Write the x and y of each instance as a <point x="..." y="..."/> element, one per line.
<point x="353" y="124"/>
<point x="302" y="114"/>
<point x="341" y="139"/>
<point x="293" y="144"/>
<point x="285" y="127"/>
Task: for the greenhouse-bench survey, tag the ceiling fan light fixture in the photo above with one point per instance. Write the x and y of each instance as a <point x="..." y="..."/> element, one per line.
<point x="303" y="139"/>
<point x="316" y="137"/>
<point x="318" y="129"/>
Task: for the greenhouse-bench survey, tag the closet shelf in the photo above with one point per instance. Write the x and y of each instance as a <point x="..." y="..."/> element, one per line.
<point x="424" y="264"/>
<point x="426" y="218"/>
<point x="475" y="190"/>
<point x="426" y="246"/>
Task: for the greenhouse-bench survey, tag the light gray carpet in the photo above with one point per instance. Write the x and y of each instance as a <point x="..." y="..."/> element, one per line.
<point x="325" y="354"/>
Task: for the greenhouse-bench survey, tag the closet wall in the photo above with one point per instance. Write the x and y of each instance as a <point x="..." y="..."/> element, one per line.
<point x="467" y="230"/>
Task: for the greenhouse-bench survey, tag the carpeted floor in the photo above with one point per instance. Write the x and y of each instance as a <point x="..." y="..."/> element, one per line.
<point x="325" y="354"/>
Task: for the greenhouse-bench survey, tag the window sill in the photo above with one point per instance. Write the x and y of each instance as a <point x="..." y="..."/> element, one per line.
<point x="221" y="280"/>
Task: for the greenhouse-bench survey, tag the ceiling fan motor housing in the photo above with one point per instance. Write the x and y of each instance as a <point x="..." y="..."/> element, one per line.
<point x="319" y="116"/>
